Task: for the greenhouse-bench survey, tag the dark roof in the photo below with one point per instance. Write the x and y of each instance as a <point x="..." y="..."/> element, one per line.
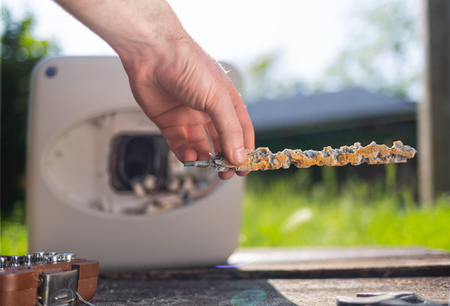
<point x="327" y="109"/>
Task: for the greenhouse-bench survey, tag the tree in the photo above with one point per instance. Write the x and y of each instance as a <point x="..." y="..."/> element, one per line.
<point x="383" y="53"/>
<point x="261" y="81"/>
<point x="20" y="53"/>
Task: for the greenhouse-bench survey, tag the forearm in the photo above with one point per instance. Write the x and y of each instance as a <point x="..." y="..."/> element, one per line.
<point x="130" y="27"/>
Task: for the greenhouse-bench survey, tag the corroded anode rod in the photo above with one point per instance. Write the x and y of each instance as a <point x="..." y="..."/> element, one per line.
<point x="263" y="159"/>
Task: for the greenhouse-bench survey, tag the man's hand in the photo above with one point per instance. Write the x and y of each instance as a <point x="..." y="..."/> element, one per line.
<point x="178" y="85"/>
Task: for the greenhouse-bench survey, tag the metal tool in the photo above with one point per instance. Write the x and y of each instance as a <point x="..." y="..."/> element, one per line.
<point x="27" y="260"/>
<point x="14" y="261"/>
<point x="3" y="263"/>
<point x="58" y="282"/>
<point x="385" y="299"/>
<point x="263" y="159"/>
<point x="198" y="163"/>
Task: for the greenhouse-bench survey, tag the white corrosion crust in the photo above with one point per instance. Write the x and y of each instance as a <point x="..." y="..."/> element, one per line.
<point x="264" y="159"/>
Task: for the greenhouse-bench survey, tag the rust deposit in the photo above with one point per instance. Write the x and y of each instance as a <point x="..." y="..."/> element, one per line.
<point x="372" y="154"/>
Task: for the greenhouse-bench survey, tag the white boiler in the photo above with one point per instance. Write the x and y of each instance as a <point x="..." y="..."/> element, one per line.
<point x="103" y="184"/>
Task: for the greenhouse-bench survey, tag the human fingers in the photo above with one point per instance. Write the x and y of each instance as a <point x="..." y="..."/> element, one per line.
<point x="229" y="131"/>
<point x="215" y="140"/>
<point x="178" y="143"/>
<point x="213" y="135"/>
<point x="247" y="129"/>
<point x="226" y="175"/>
<point x="244" y="120"/>
<point x="243" y="116"/>
<point x="241" y="112"/>
<point x="220" y="108"/>
<point x="198" y="141"/>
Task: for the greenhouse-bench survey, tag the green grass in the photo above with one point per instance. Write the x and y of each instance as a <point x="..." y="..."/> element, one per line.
<point x="294" y="212"/>
<point x="13" y="239"/>
<point x="291" y="210"/>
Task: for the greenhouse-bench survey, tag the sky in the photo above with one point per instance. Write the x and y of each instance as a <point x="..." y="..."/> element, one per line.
<point x="306" y="34"/>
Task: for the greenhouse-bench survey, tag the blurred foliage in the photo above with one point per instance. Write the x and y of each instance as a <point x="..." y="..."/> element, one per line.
<point x="383" y="55"/>
<point x="20" y="53"/>
<point x="260" y="82"/>
<point x="13" y="234"/>
<point x="383" y="51"/>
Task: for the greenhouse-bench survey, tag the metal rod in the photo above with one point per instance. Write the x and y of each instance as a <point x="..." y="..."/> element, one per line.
<point x="197" y="163"/>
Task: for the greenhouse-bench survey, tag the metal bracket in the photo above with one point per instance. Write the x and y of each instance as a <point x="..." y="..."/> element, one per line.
<point x="58" y="289"/>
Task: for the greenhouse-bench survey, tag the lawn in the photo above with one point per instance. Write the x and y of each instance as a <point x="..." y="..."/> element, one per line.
<point x="291" y="210"/>
<point x="14" y="238"/>
<point x="295" y="212"/>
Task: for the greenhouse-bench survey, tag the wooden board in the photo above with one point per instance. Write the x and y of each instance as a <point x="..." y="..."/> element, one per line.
<point x="312" y="263"/>
<point x="284" y="276"/>
<point x="321" y="292"/>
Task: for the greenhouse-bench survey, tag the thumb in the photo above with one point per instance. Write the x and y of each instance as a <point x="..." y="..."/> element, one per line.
<point x="226" y="122"/>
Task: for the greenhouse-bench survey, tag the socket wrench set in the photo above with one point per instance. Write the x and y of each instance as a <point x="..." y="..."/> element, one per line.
<point x="47" y="278"/>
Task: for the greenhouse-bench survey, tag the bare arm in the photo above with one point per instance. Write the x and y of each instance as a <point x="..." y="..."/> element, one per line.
<point x="176" y="83"/>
